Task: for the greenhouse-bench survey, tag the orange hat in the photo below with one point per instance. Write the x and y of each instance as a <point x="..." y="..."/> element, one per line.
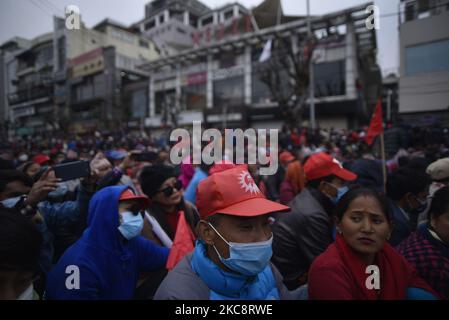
<point x="233" y="192"/>
<point x="321" y="165"/>
<point x="128" y="194"/>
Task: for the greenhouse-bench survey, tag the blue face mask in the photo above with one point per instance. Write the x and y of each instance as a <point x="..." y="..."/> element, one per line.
<point x="248" y="259"/>
<point x="11" y="202"/>
<point x="340" y="193"/>
<point x="132" y="225"/>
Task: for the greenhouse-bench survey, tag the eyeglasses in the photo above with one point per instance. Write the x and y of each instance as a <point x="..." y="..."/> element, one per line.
<point x="170" y="190"/>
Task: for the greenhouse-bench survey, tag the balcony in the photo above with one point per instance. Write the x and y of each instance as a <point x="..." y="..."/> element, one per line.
<point x="30" y="94"/>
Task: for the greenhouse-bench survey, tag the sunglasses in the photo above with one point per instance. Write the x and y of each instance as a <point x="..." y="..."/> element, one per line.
<point x="170" y="190"/>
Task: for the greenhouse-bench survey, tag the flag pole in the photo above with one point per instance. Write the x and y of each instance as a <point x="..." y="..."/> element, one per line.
<point x="384" y="163"/>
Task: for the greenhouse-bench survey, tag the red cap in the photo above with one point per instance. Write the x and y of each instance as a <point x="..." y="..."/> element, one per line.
<point x="286" y="157"/>
<point x="41" y="159"/>
<point x="225" y="165"/>
<point x="322" y="165"/>
<point x="233" y="192"/>
<point x="128" y="194"/>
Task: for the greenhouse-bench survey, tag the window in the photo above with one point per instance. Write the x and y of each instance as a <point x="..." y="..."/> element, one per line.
<point x="427" y="58"/>
<point x="194" y="97"/>
<point x="228" y="14"/>
<point x="261" y="93"/>
<point x="227" y="60"/>
<point x="229" y="92"/>
<point x="91" y="87"/>
<point x="139" y="103"/>
<point x="163" y="101"/>
<point x="150" y="25"/>
<point x="330" y="79"/>
<point x="207" y="21"/>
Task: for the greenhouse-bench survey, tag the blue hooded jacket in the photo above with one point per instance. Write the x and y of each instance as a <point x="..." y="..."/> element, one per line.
<point x="108" y="264"/>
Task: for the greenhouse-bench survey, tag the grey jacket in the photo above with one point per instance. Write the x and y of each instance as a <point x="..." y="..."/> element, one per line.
<point x="301" y="235"/>
<point x="182" y="283"/>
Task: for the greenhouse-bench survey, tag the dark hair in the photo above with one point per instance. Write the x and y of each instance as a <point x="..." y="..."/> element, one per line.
<point x="316" y="182"/>
<point x="153" y="176"/>
<point x="20" y="242"/>
<point x="8" y="176"/>
<point x="355" y="193"/>
<point x="440" y="203"/>
<point x="406" y="180"/>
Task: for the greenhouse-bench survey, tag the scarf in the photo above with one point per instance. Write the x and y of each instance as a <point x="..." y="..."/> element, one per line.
<point x="226" y="285"/>
<point x="396" y="274"/>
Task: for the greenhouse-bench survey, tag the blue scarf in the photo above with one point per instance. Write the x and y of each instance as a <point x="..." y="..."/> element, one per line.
<point x="232" y="286"/>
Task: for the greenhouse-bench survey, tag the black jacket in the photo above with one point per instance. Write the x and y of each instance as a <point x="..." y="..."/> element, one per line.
<point x="301" y="235"/>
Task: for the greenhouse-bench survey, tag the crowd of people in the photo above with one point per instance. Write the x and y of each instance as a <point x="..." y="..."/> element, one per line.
<point x="136" y="226"/>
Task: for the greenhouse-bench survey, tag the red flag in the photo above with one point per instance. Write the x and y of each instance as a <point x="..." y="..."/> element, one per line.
<point x="375" y="127"/>
<point x="183" y="243"/>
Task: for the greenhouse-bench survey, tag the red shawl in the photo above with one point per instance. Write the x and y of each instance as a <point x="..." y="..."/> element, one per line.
<point x="396" y="274"/>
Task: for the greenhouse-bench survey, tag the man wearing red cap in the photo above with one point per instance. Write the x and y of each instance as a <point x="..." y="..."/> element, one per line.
<point x="106" y="261"/>
<point x="231" y="259"/>
<point x="307" y="230"/>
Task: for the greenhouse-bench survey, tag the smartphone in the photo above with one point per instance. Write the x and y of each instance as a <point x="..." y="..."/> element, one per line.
<point x="144" y="156"/>
<point x="72" y="170"/>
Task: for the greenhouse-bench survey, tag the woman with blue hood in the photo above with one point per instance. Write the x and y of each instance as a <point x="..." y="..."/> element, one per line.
<point x="106" y="261"/>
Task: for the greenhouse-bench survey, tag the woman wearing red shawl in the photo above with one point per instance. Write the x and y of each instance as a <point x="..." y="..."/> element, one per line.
<point x="342" y="273"/>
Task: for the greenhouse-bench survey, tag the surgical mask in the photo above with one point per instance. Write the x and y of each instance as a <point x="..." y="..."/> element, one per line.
<point x="11" y="202"/>
<point x="132" y="225"/>
<point x="248" y="259"/>
<point x="340" y="193"/>
<point x="23" y="158"/>
<point x="27" y="294"/>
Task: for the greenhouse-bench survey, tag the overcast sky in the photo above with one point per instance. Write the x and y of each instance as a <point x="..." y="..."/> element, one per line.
<point x="30" y="18"/>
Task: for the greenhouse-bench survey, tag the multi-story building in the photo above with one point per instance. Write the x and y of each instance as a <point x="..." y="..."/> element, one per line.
<point x="75" y="79"/>
<point x="28" y="85"/>
<point x="216" y="77"/>
<point x="8" y="79"/>
<point x="104" y="86"/>
<point x="424" y="62"/>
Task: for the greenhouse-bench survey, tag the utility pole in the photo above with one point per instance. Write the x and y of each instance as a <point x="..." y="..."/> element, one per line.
<point x="311" y="75"/>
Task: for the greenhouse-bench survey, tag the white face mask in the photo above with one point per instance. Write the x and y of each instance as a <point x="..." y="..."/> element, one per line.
<point x="27" y="294"/>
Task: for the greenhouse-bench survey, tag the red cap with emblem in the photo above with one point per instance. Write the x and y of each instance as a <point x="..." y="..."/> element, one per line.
<point x="233" y="192"/>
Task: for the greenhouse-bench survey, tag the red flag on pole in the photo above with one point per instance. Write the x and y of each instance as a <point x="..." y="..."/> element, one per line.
<point x="183" y="243"/>
<point x="375" y="127"/>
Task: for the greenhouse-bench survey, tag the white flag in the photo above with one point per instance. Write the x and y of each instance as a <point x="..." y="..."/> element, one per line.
<point x="266" y="53"/>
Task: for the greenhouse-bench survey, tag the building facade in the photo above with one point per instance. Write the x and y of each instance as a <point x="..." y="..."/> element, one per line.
<point x="75" y="80"/>
<point x="218" y="80"/>
<point x="424" y="62"/>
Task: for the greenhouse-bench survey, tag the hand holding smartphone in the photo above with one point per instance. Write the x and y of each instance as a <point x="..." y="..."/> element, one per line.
<point x="72" y="170"/>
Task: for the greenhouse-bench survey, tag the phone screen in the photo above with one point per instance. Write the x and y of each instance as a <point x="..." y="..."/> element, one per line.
<point x="72" y="170"/>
